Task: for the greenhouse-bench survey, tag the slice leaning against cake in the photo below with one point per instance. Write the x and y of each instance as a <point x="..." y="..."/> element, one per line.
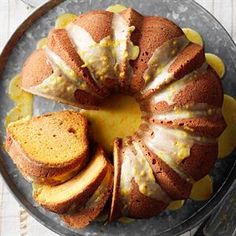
<point x="93" y="206"/>
<point x="50" y="148"/>
<point x="71" y="195"/>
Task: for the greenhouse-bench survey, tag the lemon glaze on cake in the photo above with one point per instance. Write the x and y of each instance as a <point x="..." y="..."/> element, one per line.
<point x="136" y="167"/>
<point x="118" y="109"/>
<point x="164" y="74"/>
<point x="54" y="163"/>
<point x="184" y="151"/>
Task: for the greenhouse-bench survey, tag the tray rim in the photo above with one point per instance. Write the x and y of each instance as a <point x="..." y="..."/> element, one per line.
<point x="186" y="225"/>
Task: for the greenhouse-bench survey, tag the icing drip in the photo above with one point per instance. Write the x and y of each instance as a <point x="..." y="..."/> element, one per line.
<point x="168" y="93"/>
<point x="58" y="86"/>
<point x="135" y="166"/>
<point x="96" y="56"/>
<point x="63" y="82"/>
<point x="172" y="145"/>
<point x="108" y="58"/>
<point x="123" y="48"/>
<point x="173" y="141"/>
<point x="185" y="114"/>
<point x="157" y="72"/>
<point x="56" y="61"/>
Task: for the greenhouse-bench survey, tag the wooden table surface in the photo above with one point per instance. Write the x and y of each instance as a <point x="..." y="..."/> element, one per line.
<point x="14" y="220"/>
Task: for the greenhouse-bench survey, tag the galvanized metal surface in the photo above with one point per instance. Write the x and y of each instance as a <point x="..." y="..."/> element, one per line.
<point x="186" y="14"/>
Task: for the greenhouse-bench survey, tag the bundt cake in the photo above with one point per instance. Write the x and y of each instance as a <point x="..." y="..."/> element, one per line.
<point x="180" y="97"/>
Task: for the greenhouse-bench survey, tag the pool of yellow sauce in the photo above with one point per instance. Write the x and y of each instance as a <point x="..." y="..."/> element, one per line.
<point x="227" y="140"/>
<point x="202" y="190"/>
<point x="176" y="205"/>
<point x="64" y="20"/>
<point x="118" y="116"/>
<point x="23" y="102"/>
<point x="117" y="8"/>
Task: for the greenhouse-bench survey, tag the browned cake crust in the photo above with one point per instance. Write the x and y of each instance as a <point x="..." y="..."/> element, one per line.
<point x="34" y="74"/>
<point x="86" y="214"/>
<point x="150" y="34"/>
<point x="190" y="59"/>
<point x="201" y="160"/>
<point x="141" y="206"/>
<point x="78" y="199"/>
<point x="35" y="70"/>
<point x="97" y="23"/>
<point x="116" y="205"/>
<point x="59" y="42"/>
<point x="42" y="172"/>
<point x="211" y="126"/>
<point x="199" y="92"/>
<point x="194" y="92"/>
<point x="133" y="18"/>
<point x="138" y="205"/>
<point x="174" y="185"/>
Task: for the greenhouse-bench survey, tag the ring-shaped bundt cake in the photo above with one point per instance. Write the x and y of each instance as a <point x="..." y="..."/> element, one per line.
<point x="180" y="97"/>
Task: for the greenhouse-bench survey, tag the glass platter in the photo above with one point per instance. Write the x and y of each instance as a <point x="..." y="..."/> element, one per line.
<point x="185" y="13"/>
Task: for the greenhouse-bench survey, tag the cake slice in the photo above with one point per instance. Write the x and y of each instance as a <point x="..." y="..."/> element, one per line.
<point x="50" y="148"/>
<point x="95" y="204"/>
<point x="76" y="191"/>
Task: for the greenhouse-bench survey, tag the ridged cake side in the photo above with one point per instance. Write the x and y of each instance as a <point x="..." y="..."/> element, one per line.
<point x="180" y="97"/>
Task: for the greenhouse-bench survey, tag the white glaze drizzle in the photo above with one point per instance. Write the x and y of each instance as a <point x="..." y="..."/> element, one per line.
<point x="135" y="166"/>
<point x="104" y="58"/>
<point x="57" y="61"/>
<point x="171" y="145"/>
<point x="184" y="114"/>
<point x="168" y="93"/>
<point x="56" y="85"/>
<point x="96" y="56"/>
<point x="158" y="66"/>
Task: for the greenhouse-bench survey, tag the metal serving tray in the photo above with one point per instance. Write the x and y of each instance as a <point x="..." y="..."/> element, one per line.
<point x="186" y="13"/>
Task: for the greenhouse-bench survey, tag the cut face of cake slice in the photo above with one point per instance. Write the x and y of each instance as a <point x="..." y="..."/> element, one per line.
<point x="50" y="148"/>
<point x="76" y="191"/>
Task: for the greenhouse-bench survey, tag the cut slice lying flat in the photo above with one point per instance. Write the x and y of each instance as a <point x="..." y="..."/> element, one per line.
<point x="94" y="205"/>
<point x="76" y="191"/>
<point x="50" y="148"/>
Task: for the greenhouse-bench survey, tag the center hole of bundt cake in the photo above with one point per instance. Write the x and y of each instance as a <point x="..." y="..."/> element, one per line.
<point x="118" y="116"/>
